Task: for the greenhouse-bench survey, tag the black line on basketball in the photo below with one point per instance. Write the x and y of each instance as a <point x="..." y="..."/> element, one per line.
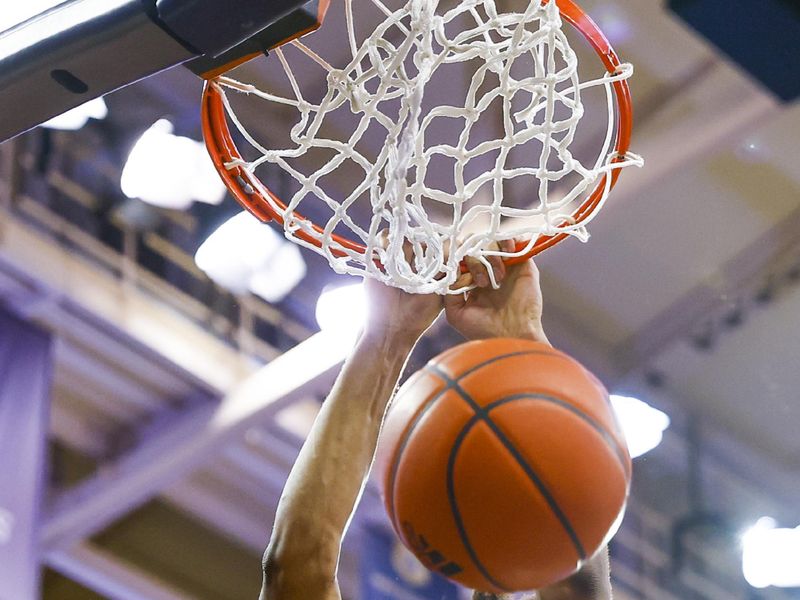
<point x="435" y="368"/>
<point x="453" y="384"/>
<point x="428" y="405"/>
<point x="482" y="414"/>
<point x="451" y="496"/>
<point x="607" y="437"/>
<point x="537" y="482"/>
<point x="403" y="443"/>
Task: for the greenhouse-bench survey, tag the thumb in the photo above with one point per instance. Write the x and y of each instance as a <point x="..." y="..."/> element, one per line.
<point x="455" y="302"/>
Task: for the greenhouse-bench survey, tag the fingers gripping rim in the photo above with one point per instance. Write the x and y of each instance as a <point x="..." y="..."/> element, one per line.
<point x="246" y="187"/>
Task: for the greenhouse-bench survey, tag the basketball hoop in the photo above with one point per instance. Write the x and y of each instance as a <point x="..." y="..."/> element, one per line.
<point x="382" y="73"/>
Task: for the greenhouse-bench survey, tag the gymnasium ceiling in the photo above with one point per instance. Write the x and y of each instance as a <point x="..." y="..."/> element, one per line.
<point x="689" y="289"/>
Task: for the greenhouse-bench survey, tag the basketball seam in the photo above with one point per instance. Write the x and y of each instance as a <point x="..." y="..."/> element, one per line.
<point x="620" y="451"/>
<point x="482" y="414"/>
<point x="424" y="410"/>
<point x="529" y="471"/>
<point x="427" y="406"/>
<point x="435" y="368"/>
<point x="604" y="433"/>
<point x="565" y="522"/>
<point x="451" y="497"/>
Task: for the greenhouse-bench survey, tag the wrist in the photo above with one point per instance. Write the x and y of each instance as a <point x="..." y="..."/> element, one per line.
<point x="523" y="331"/>
<point x="534" y="332"/>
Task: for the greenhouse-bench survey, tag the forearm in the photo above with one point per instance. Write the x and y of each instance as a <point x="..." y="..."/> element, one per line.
<point x="328" y="476"/>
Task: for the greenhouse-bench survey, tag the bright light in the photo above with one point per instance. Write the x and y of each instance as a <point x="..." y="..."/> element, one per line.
<point x="244" y="254"/>
<point x="14" y="13"/>
<point x="642" y="424"/>
<point x="341" y="311"/>
<point x="771" y="556"/>
<point x="170" y="171"/>
<point x="77" y="117"/>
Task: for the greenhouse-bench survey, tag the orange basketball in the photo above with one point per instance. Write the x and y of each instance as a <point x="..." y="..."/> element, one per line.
<point x="502" y="464"/>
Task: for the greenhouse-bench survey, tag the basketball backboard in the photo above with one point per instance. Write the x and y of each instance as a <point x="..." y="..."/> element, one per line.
<point x="57" y="55"/>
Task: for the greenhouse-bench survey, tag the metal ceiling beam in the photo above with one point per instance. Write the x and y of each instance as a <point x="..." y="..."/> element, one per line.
<point x="225" y="515"/>
<point x="76" y="433"/>
<point x="741" y="277"/>
<point x="109" y="576"/>
<point x="79" y="301"/>
<point x="309" y="368"/>
<point x="134" y="395"/>
<point x="82" y="302"/>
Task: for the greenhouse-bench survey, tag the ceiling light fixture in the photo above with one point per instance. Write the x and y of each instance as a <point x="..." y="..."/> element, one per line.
<point x="771" y="555"/>
<point x="342" y="311"/>
<point x="244" y="255"/>
<point x="170" y="171"/>
<point x="642" y="424"/>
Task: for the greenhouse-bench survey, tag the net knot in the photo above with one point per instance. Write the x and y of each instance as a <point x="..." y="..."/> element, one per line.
<point x="337" y="78"/>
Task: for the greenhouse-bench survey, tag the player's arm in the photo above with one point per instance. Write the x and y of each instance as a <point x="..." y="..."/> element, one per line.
<point x="327" y="479"/>
<point x="515" y="310"/>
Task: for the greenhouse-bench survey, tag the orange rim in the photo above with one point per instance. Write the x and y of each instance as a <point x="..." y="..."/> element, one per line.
<point x="246" y="187"/>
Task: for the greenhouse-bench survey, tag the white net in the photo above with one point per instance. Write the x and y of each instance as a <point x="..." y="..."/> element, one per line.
<point x="444" y="216"/>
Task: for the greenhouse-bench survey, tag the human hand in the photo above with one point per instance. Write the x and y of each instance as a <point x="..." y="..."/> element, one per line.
<point x="395" y="313"/>
<point x="512" y="310"/>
